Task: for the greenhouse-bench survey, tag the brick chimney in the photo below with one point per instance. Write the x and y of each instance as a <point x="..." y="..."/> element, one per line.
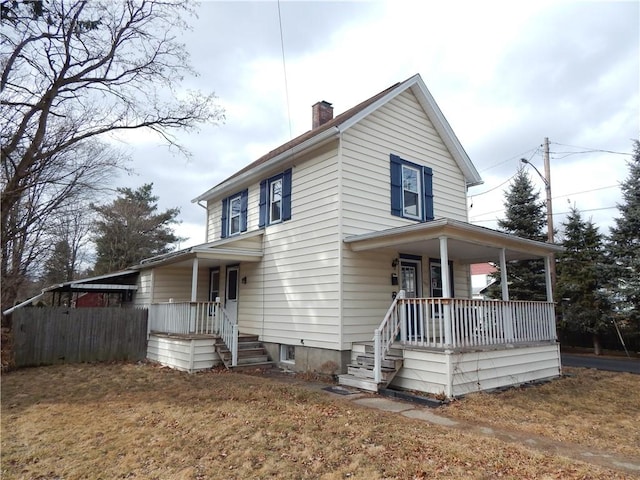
<point x="322" y="113"/>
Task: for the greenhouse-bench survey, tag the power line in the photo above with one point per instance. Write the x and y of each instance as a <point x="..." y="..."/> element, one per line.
<point x="284" y="68"/>
<point x="554" y="213"/>
<point x="589" y="150"/>
<point x="518" y="156"/>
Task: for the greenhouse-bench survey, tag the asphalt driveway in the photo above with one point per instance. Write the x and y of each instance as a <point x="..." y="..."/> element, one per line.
<point x="613" y="364"/>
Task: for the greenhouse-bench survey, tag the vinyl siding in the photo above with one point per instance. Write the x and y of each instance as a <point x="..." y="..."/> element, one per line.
<point x="468" y="372"/>
<point x="400" y="127"/>
<point x="291" y="296"/>
<point x="175" y="283"/>
<point x="186" y="354"/>
<point x="143" y="295"/>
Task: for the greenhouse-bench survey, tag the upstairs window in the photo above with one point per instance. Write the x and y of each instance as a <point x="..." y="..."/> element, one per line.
<point x="275" y="199"/>
<point x="411" y="190"/>
<point x="234" y="214"/>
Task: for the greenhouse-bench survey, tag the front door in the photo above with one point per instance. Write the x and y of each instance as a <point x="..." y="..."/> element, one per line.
<point x="231" y="293"/>
<point x="410" y="282"/>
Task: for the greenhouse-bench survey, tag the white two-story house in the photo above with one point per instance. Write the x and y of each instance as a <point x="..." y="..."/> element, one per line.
<point x="347" y="250"/>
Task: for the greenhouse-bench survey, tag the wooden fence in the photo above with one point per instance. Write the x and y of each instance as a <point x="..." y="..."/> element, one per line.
<point x="43" y="336"/>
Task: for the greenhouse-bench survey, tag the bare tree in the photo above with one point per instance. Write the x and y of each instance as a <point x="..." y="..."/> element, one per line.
<point x="74" y="71"/>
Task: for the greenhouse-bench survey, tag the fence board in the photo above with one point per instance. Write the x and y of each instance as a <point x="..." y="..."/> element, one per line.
<point x="44" y="336"/>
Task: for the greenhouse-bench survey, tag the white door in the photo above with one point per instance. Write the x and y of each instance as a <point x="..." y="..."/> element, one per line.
<point x="411" y="283"/>
<point x="231" y="294"/>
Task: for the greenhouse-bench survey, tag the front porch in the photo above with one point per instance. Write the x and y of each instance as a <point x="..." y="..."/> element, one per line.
<point x="195" y="336"/>
<point x="452" y="347"/>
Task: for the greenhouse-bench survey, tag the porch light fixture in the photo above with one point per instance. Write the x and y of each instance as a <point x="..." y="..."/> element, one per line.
<point x="394" y="263"/>
<point x="244" y="280"/>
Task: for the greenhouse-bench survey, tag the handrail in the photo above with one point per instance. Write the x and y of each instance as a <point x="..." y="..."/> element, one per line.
<point x="384" y="336"/>
<point x="228" y="332"/>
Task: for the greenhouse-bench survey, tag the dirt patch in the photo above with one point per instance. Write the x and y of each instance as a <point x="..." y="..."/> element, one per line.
<point x="142" y="421"/>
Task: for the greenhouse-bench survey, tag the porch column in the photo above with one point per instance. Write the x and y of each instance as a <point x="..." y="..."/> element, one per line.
<point x="547" y="279"/>
<point x="503" y="275"/>
<point x="446" y="292"/>
<point x="444" y="263"/>
<point x="507" y="311"/>
<point x="194" y="280"/>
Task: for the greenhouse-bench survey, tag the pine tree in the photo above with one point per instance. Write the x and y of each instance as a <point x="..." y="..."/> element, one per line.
<point x="580" y="286"/>
<point x="129" y="229"/>
<point x="624" y="247"/>
<point x="524" y="217"/>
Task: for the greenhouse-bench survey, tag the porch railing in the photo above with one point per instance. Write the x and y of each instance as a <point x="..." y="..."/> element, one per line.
<point x="385" y="335"/>
<point x="195" y="318"/>
<point x="460" y="323"/>
<point x="184" y="318"/>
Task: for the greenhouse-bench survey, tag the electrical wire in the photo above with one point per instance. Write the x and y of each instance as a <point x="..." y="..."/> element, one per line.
<point x="589" y="150"/>
<point x="284" y="69"/>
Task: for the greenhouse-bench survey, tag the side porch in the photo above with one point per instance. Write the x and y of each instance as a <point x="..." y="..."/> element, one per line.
<point x="452" y="347"/>
<point x="448" y="344"/>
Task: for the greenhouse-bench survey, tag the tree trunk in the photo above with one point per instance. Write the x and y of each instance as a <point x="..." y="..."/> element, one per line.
<point x="597" y="348"/>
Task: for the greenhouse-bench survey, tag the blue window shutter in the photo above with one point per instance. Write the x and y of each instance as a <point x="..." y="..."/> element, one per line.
<point x="427" y="189"/>
<point x="286" y="195"/>
<point x="396" y="186"/>
<point x="262" y="221"/>
<point x="244" y="200"/>
<point x="225" y="212"/>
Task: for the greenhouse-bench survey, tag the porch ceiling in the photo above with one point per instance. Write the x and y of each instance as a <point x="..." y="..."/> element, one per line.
<point x="466" y="243"/>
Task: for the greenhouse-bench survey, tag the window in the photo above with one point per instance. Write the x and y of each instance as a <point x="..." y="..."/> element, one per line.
<point x="288" y="353"/>
<point x="411" y="190"/>
<point x="234" y="214"/>
<point x="275" y="199"/>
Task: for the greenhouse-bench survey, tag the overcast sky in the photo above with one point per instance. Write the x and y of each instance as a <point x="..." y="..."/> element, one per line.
<point x="505" y="75"/>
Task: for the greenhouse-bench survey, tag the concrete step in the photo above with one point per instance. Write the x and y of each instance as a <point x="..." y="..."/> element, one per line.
<point x="356" y="382"/>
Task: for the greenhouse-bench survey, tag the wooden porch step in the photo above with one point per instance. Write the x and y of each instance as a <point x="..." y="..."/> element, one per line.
<point x="357" y="382"/>
<point x="387" y="374"/>
<point x="388" y="362"/>
<point x="251" y="353"/>
<point x="393" y="352"/>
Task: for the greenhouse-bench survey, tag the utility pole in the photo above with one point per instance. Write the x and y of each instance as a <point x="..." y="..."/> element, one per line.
<point x="546" y="178"/>
<point x="547" y="185"/>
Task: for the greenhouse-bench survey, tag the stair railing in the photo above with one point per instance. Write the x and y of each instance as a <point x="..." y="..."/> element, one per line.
<point x="385" y="335"/>
<point x="228" y="331"/>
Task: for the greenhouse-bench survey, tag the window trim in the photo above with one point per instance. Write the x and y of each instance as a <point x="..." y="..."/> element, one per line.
<point x="231" y="216"/>
<point x="271" y="201"/>
<point x="425" y="197"/>
<point x="264" y="218"/>
<point x="284" y="354"/>
<point x="226" y="219"/>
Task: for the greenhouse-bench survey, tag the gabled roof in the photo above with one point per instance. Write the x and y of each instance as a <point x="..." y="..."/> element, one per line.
<point x="344" y="121"/>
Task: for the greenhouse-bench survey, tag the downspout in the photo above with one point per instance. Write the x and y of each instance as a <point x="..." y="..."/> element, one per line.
<point x="206" y="231"/>
<point x="340" y="247"/>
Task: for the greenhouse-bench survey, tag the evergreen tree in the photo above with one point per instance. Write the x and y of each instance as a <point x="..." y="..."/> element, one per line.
<point x="624" y="247"/>
<point x="129" y="229"/>
<point x="524" y="217"/>
<point x="580" y="284"/>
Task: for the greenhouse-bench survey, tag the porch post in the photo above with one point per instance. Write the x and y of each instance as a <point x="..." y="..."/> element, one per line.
<point x="507" y="312"/>
<point x="547" y="279"/>
<point x="194" y="280"/>
<point x="444" y="263"/>
<point x="503" y="275"/>
<point x="446" y="291"/>
<point x="193" y="322"/>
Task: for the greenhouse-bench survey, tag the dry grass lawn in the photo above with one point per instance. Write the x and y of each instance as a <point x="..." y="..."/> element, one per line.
<point x="141" y="421"/>
<point x="588" y="407"/>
